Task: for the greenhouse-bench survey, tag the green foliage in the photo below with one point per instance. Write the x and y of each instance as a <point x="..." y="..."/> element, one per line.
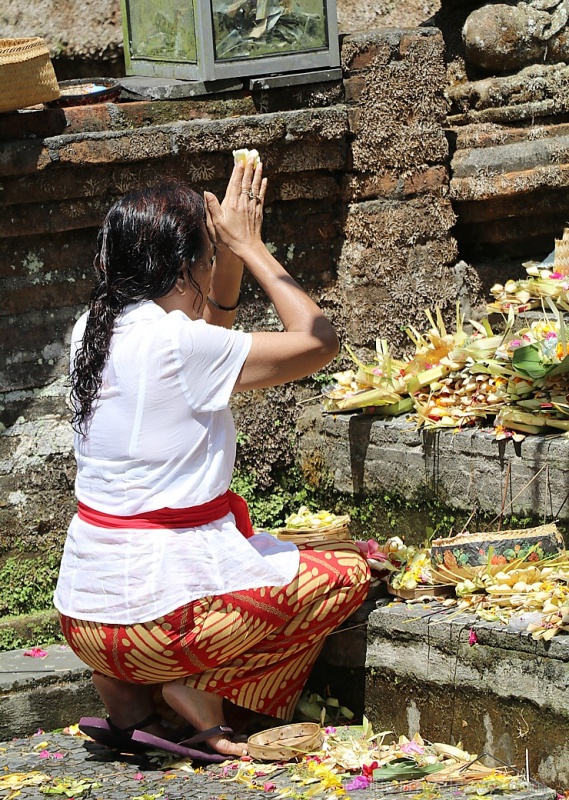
<point x="268" y="508"/>
<point x="27" y="584"/>
<point x="417" y="519"/>
<point x="10" y="639"/>
<point x="323" y="378"/>
<point x="17" y="633"/>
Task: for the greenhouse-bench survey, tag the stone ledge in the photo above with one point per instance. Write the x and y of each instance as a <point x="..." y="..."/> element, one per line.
<point x="46" y="693"/>
<point x="466" y="469"/>
<point x="503" y="695"/>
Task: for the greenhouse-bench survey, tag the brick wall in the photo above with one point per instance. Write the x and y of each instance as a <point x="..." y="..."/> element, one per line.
<point x="357" y="211"/>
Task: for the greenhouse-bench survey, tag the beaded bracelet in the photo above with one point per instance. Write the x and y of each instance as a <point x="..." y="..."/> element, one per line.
<point x="225" y="308"/>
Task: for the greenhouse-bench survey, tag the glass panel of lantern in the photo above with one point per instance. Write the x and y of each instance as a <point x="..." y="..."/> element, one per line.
<point x="209" y="40"/>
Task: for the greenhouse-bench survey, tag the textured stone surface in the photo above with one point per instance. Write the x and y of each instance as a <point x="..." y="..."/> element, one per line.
<point x="398" y="252"/>
<point x="357" y="210"/>
<point x="502" y="695"/>
<point x="126" y="777"/>
<point x="467" y="469"/>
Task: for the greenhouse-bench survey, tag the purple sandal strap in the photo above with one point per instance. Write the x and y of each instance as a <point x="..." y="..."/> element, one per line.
<point x="202" y="736"/>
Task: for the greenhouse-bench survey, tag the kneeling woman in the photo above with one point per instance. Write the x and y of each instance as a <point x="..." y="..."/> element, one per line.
<point x="163" y="585"/>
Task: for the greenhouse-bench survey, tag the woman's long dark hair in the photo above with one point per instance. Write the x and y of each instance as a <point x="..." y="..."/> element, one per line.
<point x="146" y="242"/>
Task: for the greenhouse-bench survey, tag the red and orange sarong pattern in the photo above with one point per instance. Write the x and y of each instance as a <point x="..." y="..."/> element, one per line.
<point x="255" y="647"/>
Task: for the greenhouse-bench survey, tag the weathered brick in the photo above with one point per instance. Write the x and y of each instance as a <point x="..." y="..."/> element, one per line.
<point x="32" y="331"/>
<point x="67" y="182"/>
<point x="322" y="124"/>
<point x="23" y="158"/>
<point x="306" y="186"/>
<point x="32" y="256"/>
<point x="304" y="156"/>
<point x="430" y="179"/>
<point x="52" y="217"/>
<point x="354" y="116"/>
<point x="317" y="217"/>
<point x="50" y="296"/>
<point x="421" y="42"/>
<point x="112" y="148"/>
<point x="400" y="148"/>
<point x="35" y="124"/>
<point x="355" y="87"/>
<point x="362" y="52"/>
<point x="29" y="375"/>
<point x="367" y="187"/>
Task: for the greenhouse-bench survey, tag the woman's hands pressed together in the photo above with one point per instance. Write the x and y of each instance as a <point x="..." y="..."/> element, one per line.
<point x="236" y="223"/>
<point x="308" y="341"/>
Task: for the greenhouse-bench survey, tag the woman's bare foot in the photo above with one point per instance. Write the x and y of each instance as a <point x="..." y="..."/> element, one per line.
<point x="203" y="710"/>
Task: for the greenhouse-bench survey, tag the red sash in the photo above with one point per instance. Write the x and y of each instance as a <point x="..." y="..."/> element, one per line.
<point x="192" y="517"/>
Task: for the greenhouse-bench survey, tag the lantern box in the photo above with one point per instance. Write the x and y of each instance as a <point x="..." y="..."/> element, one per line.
<point x="220" y="40"/>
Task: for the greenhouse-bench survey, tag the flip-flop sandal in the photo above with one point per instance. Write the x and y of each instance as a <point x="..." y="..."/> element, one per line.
<point x="184" y="748"/>
<point x="105" y="732"/>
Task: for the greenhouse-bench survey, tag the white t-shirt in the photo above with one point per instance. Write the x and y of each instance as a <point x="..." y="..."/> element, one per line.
<point x="161" y="436"/>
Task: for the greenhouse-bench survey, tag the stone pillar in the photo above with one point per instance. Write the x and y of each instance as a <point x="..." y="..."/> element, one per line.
<point x="399" y="251"/>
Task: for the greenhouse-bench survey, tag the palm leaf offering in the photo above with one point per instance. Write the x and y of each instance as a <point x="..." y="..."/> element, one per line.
<point x="518" y="577"/>
<point x="316" y="527"/>
<point x="360" y="757"/>
<point x="529" y="293"/>
<point x="527" y="586"/>
<point x="518" y="378"/>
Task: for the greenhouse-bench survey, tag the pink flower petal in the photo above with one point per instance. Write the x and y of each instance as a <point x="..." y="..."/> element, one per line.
<point x="36" y="652"/>
<point x="472" y="638"/>
<point x="412" y="747"/>
<point x="359" y="782"/>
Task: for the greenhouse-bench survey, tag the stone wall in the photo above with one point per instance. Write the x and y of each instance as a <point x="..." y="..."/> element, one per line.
<point x="358" y="211"/>
<point x="467" y="470"/>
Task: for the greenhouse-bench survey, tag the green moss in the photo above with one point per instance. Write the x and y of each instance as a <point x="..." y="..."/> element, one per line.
<point x="27" y="583"/>
<point x="415" y="519"/>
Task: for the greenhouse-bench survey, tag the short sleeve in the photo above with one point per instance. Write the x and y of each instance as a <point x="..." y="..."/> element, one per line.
<point x="210" y="359"/>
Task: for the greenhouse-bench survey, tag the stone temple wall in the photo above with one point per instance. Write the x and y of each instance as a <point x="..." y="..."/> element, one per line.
<point x="358" y="211"/>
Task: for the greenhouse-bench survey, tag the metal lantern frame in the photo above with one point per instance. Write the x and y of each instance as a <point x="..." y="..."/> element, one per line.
<point x="209" y="68"/>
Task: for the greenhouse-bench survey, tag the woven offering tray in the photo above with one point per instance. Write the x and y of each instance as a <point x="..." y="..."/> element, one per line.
<point x="287" y="742"/>
<point x="84" y="92"/>
<point x="338" y="531"/>
<point x="468" y="552"/>
<point x="423" y="590"/>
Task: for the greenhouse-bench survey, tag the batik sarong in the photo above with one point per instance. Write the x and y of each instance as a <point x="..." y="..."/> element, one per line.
<point x="255" y="647"/>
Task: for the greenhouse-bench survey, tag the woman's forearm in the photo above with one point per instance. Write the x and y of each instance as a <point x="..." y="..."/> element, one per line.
<point x="296" y="310"/>
<point x="225" y="289"/>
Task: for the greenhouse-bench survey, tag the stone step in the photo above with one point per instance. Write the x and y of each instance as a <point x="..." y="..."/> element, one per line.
<point x="505" y="695"/>
<point x="46" y="693"/>
<point x="466" y="469"/>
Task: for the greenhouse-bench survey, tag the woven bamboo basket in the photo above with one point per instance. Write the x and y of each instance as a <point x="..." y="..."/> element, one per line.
<point x="286" y="742"/>
<point x="337" y="531"/>
<point x="474" y="553"/>
<point x="27" y="76"/>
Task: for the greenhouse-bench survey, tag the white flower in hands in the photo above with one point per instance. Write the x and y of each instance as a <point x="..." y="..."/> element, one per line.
<point x="243" y="155"/>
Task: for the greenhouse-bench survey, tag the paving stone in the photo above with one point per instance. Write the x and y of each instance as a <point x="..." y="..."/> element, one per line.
<point x="126" y="777"/>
